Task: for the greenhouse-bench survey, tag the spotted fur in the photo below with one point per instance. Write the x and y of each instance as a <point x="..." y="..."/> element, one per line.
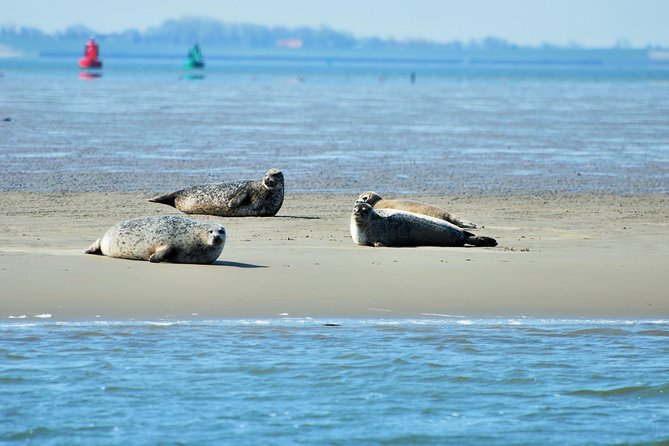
<point x="163" y="238"/>
<point x="246" y="198"/>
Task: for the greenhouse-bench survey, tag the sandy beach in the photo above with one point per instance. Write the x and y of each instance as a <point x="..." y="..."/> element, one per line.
<point x="571" y="256"/>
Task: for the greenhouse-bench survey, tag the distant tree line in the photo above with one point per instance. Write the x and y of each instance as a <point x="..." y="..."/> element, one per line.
<point x="207" y="31"/>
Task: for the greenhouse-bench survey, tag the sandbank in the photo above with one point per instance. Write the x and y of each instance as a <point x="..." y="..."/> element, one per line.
<point x="559" y="256"/>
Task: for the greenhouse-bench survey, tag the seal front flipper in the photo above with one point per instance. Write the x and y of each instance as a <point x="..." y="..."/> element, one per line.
<point x="238" y="199"/>
<point x="94" y="248"/>
<point x="166" y="199"/>
<point x="161" y="254"/>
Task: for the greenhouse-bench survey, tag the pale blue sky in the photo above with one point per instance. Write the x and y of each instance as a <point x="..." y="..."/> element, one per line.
<point x="588" y="22"/>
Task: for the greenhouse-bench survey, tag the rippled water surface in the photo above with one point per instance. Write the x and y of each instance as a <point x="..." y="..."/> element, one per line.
<point x="285" y="381"/>
<point x="458" y="130"/>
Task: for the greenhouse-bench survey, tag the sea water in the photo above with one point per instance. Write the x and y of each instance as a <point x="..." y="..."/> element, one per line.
<point x="307" y="381"/>
<point x="339" y="126"/>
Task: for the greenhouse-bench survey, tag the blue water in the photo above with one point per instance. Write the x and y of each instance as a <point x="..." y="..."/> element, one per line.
<point x="340" y="125"/>
<point x="295" y="381"/>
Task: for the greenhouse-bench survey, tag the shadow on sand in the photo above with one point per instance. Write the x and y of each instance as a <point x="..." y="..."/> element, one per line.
<point x="238" y="264"/>
<point x="299" y="217"/>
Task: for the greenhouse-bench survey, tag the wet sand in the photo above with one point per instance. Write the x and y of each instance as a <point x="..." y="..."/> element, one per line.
<point x="559" y="256"/>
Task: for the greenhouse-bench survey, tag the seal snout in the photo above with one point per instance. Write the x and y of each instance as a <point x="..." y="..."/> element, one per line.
<point x="217" y="235"/>
<point x="361" y="211"/>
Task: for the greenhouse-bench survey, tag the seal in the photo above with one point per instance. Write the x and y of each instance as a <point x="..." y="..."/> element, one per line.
<point x="162" y="238"/>
<point x="390" y="227"/>
<point x="245" y="198"/>
<point x="417" y="207"/>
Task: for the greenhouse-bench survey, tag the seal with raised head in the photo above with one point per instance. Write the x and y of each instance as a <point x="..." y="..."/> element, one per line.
<point x="390" y="227"/>
<point x="417" y="207"/>
<point x="162" y="238"/>
<point x="245" y="198"/>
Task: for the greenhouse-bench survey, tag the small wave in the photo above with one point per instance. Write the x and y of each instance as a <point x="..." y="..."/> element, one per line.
<point x="663" y="333"/>
<point x="11" y="379"/>
<point x="443" y="315"/>
<point x="87" y="334"/>
<point x="255" y="322"/>
<point x="165" y="323"/>
<point x="44" y="316"/>
<point x="31" y="433"/>
<point x="599" y="332"/>
<point x="23" y="316"/>
<point x="647" y="391"/>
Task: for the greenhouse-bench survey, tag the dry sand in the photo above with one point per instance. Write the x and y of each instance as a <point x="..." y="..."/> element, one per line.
<point x="580" y="256"/>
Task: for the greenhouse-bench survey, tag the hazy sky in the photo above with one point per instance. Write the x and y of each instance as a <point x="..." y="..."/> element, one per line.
<point x="587" y="22"/>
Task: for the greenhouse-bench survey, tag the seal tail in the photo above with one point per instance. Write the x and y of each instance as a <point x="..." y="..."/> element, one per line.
<point x="167" y="199"/>
<point x="479" y="240"/>
<point x="94" y="248"/>
<point x="462" y="223"/>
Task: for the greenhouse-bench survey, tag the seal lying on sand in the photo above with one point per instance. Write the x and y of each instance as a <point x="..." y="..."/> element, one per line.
<point x="246" y="198"/>
<point x="375" y="200"/>
<point x="163" y="238"/>
<point x="390" y="227"/>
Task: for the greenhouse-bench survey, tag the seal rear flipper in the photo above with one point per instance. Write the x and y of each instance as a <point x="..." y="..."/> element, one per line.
<point x="94" y="248"/>
<point x="479" y="240"/>
<point x="462" y="223"/>
<point x="167" y="199"/>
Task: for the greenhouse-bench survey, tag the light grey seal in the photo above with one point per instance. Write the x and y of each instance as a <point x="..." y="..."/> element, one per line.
<point x="163" y="238"/>
<point x="245" y="198"/>
<point x="390" y="227"/>
<point x="417" y="207"/>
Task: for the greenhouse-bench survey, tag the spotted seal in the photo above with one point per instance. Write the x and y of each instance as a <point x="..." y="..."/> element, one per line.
<point x="390" y="227"/>
<point x="245" y="198"/>
<point x="417" y="207"/>
<point x="163" y="238"/>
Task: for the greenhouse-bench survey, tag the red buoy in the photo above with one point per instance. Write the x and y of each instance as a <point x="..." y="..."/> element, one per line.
<point x="91" y="53"/>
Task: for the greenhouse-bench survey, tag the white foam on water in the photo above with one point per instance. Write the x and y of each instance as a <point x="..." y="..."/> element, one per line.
<point x="443" y="315"/>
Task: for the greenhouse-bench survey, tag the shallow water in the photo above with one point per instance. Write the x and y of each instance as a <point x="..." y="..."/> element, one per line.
<point x="301" y="381"/>
<point x="458" y="130"/>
